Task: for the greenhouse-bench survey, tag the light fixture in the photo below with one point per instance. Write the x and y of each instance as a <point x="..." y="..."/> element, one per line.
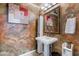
<point x="45" y="6"/>
<point x="49" y="6"/>
<point x="53" y="3"/>
<point x="42" y="7"/>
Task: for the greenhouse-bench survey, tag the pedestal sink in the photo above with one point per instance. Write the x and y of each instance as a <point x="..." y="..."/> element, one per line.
<point x="46" y="41"/>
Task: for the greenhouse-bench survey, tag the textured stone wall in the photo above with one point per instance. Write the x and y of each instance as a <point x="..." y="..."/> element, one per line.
<point x="15" y="39"/>
<point x="64" y="12"/>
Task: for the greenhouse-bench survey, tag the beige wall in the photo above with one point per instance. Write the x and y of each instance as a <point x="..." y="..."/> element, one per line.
<point x="16" y="39"/>
<point x="64" y="11"/>
<point x="14" y="42"/>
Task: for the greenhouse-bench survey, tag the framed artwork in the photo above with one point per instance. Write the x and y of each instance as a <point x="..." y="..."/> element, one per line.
<point x="70" y="21"/>
<point x="52" y="21"/>
<point x="19" y="14"/>
<point x="70" y="26"/>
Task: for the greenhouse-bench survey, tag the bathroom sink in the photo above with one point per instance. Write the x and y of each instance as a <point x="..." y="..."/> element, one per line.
<point x="46" y="39"/>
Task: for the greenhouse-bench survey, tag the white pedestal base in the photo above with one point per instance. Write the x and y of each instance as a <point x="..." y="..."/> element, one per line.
<point x="47" y="50"/>
<point x="39" y="47"/>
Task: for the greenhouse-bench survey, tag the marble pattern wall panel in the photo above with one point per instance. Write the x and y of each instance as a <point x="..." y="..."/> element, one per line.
<point x="64" y="12"/>
<point x="15" y="39"/>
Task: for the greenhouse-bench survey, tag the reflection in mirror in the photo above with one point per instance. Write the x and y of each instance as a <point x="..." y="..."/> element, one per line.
<point x="51" y="21"/>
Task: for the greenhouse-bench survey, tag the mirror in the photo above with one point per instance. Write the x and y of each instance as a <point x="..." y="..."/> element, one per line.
<point x="52" y="21"/>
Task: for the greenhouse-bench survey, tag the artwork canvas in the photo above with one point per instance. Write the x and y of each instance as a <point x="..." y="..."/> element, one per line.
<point x="70" y="25"/>
<point x="21" y="16"/>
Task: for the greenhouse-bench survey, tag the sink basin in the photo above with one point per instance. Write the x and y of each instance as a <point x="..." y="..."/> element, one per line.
<point x="46" y="39"/>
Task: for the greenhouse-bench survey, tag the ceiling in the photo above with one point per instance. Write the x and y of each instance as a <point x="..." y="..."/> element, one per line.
<point x="44" y="6"/>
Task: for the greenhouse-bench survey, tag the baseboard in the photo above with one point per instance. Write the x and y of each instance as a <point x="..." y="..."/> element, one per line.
<point x="30" y="53"/>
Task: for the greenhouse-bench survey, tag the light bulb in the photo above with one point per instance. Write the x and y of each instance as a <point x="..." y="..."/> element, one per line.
<point x="46" y="4"/>
<point x="42" y="7"/>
